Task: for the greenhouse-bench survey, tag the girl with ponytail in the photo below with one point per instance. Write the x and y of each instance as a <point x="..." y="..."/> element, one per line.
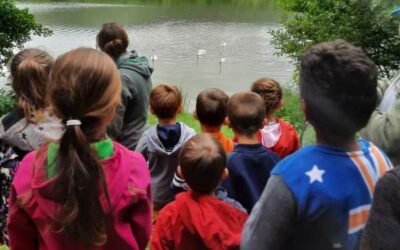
<point x="84" y="191"/>
<point x="29" y="125"/>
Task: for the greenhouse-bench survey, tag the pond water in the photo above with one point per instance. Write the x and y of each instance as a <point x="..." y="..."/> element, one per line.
<point x="175" y="30"/>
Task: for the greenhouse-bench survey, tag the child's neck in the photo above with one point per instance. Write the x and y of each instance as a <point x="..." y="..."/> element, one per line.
<point x="165" y="122"/>
<point x="349" y="144"/>
<point x="244" y="139"/>
<point x="210" y="129"/>
<point x="272" y="118"/>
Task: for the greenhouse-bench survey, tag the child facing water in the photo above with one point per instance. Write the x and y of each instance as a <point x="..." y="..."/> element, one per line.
<point x="30" y="124"/>
<point x="277" y="135"/>
<point x="197" y="219"/>
<point x="84" y="191"/>
<point x="320" y="197"/>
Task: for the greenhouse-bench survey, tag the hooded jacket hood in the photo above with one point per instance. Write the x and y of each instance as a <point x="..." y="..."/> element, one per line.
<point x="203" y="222"/>
<point x="162" y="162"/>
<point x="155" y="144"/>
<point x="132" y="61"/>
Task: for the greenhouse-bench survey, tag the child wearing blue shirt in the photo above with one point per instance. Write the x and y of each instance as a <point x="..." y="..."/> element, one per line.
<point x="320" y="197"/>
<point x="250" y="163"/>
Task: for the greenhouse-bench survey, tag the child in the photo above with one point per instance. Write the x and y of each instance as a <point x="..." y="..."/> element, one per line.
<point x="249" y="164"/>
<point x="197" y="219"/>
<point x="278" y="136"/>
<point x="131" y="117"/>
<point x="319" y="197"/>
<point x="83" y="192"/>
<point x="161" y="144"/>
<point x="211" y="113"/>
<point x="30" y="124"/>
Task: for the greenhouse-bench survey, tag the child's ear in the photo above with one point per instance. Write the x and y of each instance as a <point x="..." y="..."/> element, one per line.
<point x="303" y="107"/>
<point x="281" y="103"/>
<point x="225" y="174"/>
<point x="264" y="123"/>
<point x="195" y="115"/>
<point x="179" y="171"/>
<point x="226" y="122"/>
<point x="180" y="109"/>
<point x="151" y="110"/>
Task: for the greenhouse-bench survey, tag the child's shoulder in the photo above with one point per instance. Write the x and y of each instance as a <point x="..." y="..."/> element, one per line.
<point x="298" y="161"/>
<point x="186" y="129"/>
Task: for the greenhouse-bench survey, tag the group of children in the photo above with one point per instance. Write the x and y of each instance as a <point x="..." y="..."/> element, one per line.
<point x="78" y="189"/>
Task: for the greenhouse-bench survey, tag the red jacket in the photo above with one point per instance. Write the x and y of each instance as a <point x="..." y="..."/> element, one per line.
<point x="198" y="222"/>
<point x="288" y="142"/>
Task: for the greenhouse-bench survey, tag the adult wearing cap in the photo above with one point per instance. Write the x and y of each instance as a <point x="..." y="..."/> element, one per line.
<point x="383" y="128"/>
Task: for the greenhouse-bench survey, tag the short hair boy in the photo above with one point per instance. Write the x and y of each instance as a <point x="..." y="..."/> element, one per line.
<point x="161" y="144"/>
<point x="277" y="135"/>
<point x="249" y="164"/>
<point x="319" y="197"/>
<point x="197" y="219"/>
<point x="211" y="113"/>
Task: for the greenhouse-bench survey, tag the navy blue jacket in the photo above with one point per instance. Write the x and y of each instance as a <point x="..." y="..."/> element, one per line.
<point x="249" y="169"/>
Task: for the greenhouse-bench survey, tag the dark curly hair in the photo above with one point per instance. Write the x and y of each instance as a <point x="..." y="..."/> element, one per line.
<point x="338" y="85"/>
<point x="270" y="91"/>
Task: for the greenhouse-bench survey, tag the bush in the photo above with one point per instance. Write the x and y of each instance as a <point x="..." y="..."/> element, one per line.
<point x="365" y="23"/>
<point x="7" y="101"/>
<point x="16" y="28"/>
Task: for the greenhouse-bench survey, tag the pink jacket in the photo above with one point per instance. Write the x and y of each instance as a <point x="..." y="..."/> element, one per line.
<point x="32" y="209"/>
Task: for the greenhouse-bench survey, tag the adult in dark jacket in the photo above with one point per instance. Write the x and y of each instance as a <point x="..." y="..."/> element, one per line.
<point x="131" y="116"/>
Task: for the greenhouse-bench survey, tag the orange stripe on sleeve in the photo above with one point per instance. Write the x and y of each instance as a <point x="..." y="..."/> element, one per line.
<point x="383" y="167"/>
<point x="364" y="172"/>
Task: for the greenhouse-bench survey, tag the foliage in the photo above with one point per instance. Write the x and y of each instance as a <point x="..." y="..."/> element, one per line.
<point x="16" y="28"/>
<point x="7" y="102"/>
<point x="365" y="23"/>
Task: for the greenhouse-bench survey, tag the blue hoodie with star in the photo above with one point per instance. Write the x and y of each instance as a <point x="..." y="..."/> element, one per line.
<point x="326" y="192"/>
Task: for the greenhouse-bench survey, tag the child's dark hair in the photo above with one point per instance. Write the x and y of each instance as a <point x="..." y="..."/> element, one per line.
<point x="270" y="91"/>
<point x="211" y="107"/>
<point x="165" y="100"/>
<point x="338" y="85"/>
<point x="113" y="40"/>
<point x="203" y="160"/>
<point x="84" y="85"/>
<point x="30" y="70"/>
<point x="246" y="112"/>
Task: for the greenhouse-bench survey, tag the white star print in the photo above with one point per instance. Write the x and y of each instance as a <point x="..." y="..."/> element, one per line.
<point x="315" y="174"/>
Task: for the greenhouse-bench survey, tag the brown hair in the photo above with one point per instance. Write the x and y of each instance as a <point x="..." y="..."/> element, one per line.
<point x="30" y="70"/>
<point x="246" y="112"/>
<point x="211" y="107"/>
<point x="270" y="92"/>
<point x="338" y="85"/>
<point x="113" y="40"/>
<point x="84" y="85"/>
<point x="203" y="160"/>
<point x="165" y="100"/>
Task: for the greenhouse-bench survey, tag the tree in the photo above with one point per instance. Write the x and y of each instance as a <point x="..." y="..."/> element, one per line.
<point x="16" y="28"/>
<point x="365" y="23"/>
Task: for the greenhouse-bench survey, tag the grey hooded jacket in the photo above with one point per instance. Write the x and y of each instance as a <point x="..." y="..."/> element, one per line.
<point x="131" y="116"/>
<point x="162" y="163"/>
